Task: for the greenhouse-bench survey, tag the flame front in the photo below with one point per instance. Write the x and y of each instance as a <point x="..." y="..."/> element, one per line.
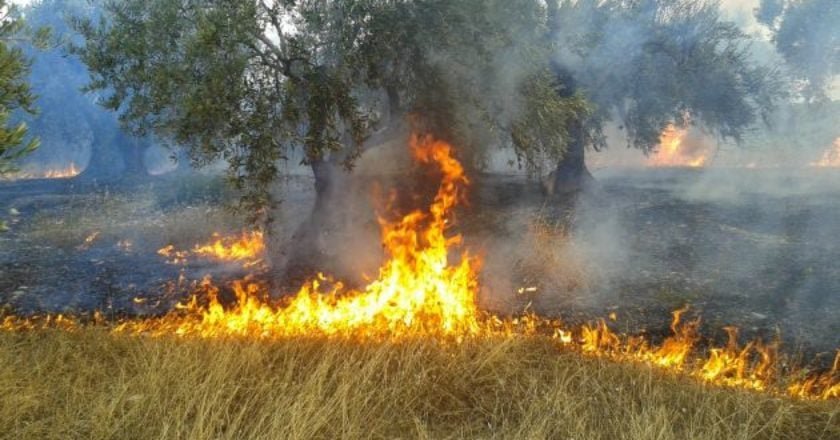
<point x="418" y="291"/>
<point x="672" y="151"/>
<point x="51" y="173"/>
<point x="423" y="291"/>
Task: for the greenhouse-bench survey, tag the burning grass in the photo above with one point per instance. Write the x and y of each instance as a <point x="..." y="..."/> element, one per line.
<point x="427" y="288"/>
<point x="59" y="172"/>
<point x="95" y="385"/>
<point x="181" y="215"/>
<point x="407" y="354"/>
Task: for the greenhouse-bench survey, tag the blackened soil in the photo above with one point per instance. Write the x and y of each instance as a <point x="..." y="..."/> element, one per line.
<point x="760" y="252"/>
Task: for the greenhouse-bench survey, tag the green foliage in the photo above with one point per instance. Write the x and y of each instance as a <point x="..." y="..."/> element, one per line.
<point x="250" y="82"/>
<point x="242" y="81"/>
<point x="544" y="127"/>
<point x="649" y="63"/>
<point x="474" y="72"/>
<point x="807" y="34"/>
<point x="14" y="89"/>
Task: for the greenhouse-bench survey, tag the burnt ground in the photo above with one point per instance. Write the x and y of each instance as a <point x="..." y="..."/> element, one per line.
<point x="759" y="250"/>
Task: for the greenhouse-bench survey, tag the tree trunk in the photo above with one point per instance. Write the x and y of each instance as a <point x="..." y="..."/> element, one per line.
<point x="339" y="236"/>
<point x="310" y="244"/>
<point x="571" y="175"/>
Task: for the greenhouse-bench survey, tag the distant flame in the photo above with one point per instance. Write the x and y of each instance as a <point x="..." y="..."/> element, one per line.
<point x="673" y="151"/>
<point x="831" y="158"/>
<point x="52" y="173"/>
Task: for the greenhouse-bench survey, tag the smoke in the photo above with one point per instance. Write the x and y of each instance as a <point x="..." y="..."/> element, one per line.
<point x="744" y="238"/>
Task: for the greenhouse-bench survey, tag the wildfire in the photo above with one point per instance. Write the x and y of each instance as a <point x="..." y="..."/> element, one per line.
<point x="418" y="290"/>
<point x="427" y="287"/>
<point x="674" y="152"/>
<point x="70" y="171"/>
<point x="247" y="248"/>
<point x="53" y="173"/>
<point x="831" y="158"/>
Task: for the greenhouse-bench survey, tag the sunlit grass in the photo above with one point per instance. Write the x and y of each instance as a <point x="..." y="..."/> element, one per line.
<point x="95" y="385"/>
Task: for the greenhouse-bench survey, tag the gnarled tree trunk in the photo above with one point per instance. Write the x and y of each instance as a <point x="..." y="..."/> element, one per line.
<point x="310" y="252"/>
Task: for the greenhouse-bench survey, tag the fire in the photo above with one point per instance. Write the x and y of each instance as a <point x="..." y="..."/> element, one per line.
<point x="825" y="386"/>
<point x="673" y="151"/>
<point x="247" y="246"/>
<point x="418" y="290"/>
<point x="749" y="367"/>
<point x="427" y="287"/>
<point x="53" y="173"/>
<point x="172" y="255"/>
<point x="70" y="171"/>
<point x="831" y="158"/>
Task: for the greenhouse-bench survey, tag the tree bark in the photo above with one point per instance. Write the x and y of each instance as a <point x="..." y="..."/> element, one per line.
<point x="335" y="227"/>
<point x="311" y="242"/>
<point x="571" y="175"/>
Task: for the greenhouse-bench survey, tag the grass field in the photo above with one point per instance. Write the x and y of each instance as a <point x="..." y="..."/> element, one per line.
<point x="91" y="384"/>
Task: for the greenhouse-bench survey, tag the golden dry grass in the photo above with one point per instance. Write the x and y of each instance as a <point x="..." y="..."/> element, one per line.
<point x="90" y="384"/>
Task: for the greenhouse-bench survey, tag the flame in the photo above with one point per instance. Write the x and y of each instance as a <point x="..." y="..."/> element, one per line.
<point x="88" y="241"/>
<point x="53" y="173"/>
<point x="248" y="248"/>
<point x="172" y="255"/>
<point x="418" y="290"/>
<point x="672" y="151"/>
<point x="831" y="158"/>
<point x="822" y="386"/>
<point x="70" y="171"/>
<point x="427" y="287"/>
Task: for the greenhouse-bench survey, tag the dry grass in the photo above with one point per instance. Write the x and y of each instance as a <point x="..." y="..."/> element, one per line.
<point x="93" y="385"/>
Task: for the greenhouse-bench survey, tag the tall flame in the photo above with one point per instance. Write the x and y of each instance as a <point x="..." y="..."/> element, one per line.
<point x="422" y="291"/>
<point x="418" y="291"/>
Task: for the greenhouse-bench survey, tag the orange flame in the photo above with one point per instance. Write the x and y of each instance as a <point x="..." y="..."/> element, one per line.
<point x="831" y="158"/>
<point x="418" y="291"/>
<point x="248" y="246"/>
<point x="672" y="151"/>
<point x="53" y="173"/>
